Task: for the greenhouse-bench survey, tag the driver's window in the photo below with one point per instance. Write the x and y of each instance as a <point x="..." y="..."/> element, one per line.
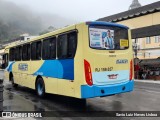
<point x="4" y="61"/>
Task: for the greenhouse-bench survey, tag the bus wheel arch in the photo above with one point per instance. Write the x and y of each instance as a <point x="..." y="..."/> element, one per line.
<point x="40" y="86"/>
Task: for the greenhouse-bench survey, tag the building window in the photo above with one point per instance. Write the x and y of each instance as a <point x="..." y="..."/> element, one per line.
<point x="67" y="44"/>
<point x="36" y="50"/>
<point x="136" y="40"/>
<point x="157" y="39"/>
<point x="49" y="48"/>
<point x="26" y="52"/>
<point x="148" y="40"/>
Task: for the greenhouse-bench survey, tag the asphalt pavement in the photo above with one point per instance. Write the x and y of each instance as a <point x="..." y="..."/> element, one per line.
<point x="145" y="97"/>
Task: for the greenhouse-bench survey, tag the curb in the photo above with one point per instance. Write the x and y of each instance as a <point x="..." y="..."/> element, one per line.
<point x="148" y="81"/>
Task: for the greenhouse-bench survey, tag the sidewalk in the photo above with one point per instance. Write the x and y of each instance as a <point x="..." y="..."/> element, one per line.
<point x="14" y="102"/>
<point x="147" y="81"/>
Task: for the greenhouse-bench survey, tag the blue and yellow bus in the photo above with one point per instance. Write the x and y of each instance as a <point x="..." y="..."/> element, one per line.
<point x="85" y="60"/>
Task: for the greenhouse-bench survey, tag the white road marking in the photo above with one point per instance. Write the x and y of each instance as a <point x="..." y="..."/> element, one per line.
<point x="148" y="81"/>
<point x="152" y="91"/>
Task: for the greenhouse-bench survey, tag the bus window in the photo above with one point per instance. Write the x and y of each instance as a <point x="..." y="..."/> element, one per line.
<point x="67" y="45"/>
<point x="26" y="52"/>
<point x="72" y="44"/>
<point x="110" y="38"/>
<point x="62" y="46"/>
<point x="18" y="53"/>
<point x="4" y="61"/>
<point x="36" y="50"/>
<point x="49" y="48"/>
<point x="11" y="54"/>
<point x="33" y="49"/>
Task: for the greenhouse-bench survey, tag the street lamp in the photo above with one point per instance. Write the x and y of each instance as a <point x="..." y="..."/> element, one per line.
<point x="135" y="48"/>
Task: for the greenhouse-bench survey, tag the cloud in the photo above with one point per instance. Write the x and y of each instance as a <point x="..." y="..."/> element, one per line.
<point x="20" y="19"/>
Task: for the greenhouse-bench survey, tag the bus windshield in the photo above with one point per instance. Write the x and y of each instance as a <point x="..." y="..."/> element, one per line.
<point x="108" y="38"/>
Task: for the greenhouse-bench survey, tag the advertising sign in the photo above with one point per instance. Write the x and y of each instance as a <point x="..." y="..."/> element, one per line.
<point x="101" y="38"/>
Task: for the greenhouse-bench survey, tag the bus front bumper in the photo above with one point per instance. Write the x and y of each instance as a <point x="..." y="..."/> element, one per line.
<point x="107" y="90"/>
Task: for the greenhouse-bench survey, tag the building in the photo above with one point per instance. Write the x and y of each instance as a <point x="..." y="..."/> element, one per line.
<point x="23" y="37"/>
<point x="144" y="22"/>
<point x="135" y="4"/>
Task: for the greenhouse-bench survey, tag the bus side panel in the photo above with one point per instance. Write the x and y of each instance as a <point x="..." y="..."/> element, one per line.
<point x="16" y="74"/>
<point x="34" y="66"/>
<point x="8" y="70"/>
<point x="50" y="85"/>
<point x="53" y="71"/>
<point x="78" y="62"/>
<point x="72" y="87"/>
<point x="20" y="73"/>
<point x="24" y="70"/>
<point x="66" y="87"/>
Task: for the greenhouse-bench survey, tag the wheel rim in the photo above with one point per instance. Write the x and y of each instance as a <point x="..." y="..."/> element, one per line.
<point x="40" y="89"/>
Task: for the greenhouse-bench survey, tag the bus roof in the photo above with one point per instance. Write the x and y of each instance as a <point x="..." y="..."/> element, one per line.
<point x="49" y="34"/>
<point x="65" y="28"/>
<point x="106" y="24"/>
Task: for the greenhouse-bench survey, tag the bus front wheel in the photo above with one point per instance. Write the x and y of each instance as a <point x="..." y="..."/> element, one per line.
<point x="40" y="87"/>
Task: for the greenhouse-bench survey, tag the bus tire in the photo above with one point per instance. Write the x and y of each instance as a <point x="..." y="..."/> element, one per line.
<point x="40" y="87"/>
<point x="12" y="81"/>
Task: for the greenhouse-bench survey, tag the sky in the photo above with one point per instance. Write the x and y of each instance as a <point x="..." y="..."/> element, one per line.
<point x="79" y="10"/>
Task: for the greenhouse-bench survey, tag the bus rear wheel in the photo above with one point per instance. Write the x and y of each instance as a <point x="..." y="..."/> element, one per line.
<point x="40" y="87"/>
<point x="12" y="81"/>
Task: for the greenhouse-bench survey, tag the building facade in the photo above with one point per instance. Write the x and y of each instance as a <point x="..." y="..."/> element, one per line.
<point x="23" y="37"/>
<point x="144" y="22"/>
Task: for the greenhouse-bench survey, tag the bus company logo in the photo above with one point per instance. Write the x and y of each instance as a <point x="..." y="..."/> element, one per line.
<point x="122" y="61"/>
<point x="23" y="67"/>
<point x="113" y="76"/>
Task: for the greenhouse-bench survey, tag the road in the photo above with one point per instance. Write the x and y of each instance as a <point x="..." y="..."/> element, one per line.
<point x="145" y="97"/>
